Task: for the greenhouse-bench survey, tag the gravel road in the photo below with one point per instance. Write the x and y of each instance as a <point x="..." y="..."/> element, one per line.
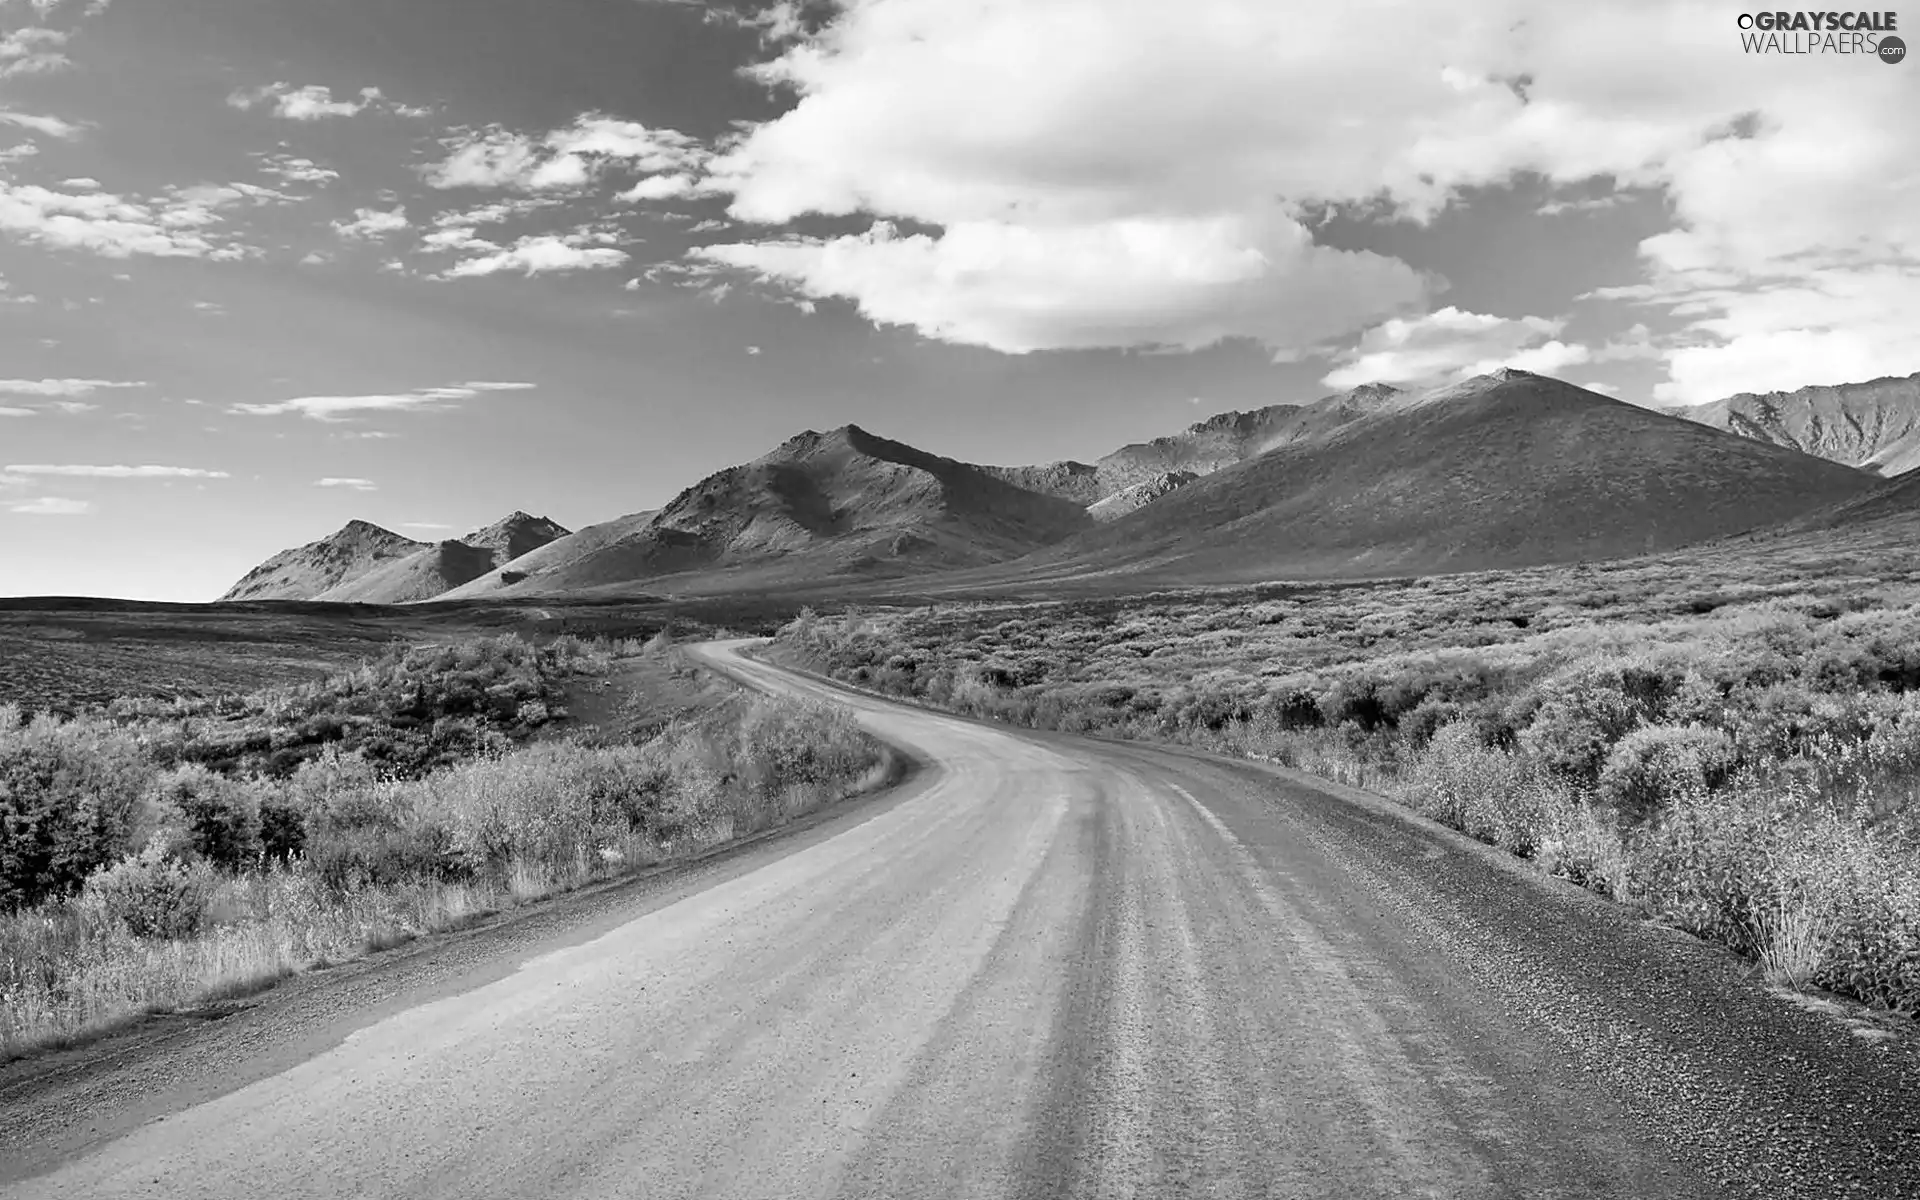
<point x="1045" y="967"/>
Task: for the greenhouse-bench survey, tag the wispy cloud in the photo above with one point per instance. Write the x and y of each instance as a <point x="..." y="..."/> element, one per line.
<point x="51" y="126"/>
<point x="32" y="51"/>
<point x="50" y="506"/>
<point x="358" y="485"/>
<point x="171" y="226"/>
<point x="338" y="408"/>
<point x="62" y="387"/>
<point x="91" y="471"/>
<point x="313" y="102"/>
<point x="540" y="254"/>
<point x="288" y="168"/>
<point x="568" y="159"/>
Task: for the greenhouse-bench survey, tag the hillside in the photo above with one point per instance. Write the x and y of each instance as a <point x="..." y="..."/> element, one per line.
<point x="556" y="555"/>
<point x="1508" y="469"/>
<point x="304" y="572"/>
<point x="1200" y="449"/>
<point x="1892" y="507"/>
<point x="843" y="504"/>
<point x="1873" y="425"/>
<point x="422" y="575"/>
<point x="1138" y="496"/>
<point x="513" y="535"/>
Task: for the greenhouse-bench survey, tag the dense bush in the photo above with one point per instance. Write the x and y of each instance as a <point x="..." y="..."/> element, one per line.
<point x="70" y="796"/>
<point x="152" y="894"/>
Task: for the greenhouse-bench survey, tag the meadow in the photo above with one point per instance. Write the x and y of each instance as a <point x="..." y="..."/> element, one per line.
<point x="1728" y="740"/>
<point x="165" y="853"/>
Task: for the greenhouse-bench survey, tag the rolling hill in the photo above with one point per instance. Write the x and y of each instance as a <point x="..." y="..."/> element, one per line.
<point x="304" y="572"/>
<point x="1508" y="469"/>
<point x="842" y="504"/>
<point x="1873" y="425"/>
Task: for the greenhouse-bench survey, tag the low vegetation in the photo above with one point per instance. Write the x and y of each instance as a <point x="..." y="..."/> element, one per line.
<point x="158" y="855"/>
<point x="1740" y="758"/>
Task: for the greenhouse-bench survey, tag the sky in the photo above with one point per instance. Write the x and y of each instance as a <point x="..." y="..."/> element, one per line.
<point x="269" y="265"/>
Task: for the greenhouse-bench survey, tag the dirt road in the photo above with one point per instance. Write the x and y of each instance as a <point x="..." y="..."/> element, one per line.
<point x="1065" y="968"/>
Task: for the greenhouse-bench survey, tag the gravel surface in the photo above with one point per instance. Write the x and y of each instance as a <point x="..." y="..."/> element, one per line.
<point x="1047" y="967"/>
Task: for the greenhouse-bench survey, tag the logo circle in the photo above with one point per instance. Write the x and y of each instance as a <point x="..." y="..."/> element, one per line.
<point x="1892" y="50"/>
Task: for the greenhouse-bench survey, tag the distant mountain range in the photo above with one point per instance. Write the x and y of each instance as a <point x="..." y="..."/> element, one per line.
<point x="1874" y="425"/>
<point x="1506" y="469"/>
<point x="363" y="562"/>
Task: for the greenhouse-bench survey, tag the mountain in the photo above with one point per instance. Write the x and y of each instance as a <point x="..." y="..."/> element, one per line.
<point x="1873" y="425"/>
<point x="304" y="572"/>
<point x="1138" y="496"/>
<point x="1503" y="470"/>
<point x="422" y="575"/>
<point x="366" y="564"/>
<point x="1201" y="449"/>
<point x="820" y="506"/>
<point x="557" y="555"/>
<point x="513" y="535"/>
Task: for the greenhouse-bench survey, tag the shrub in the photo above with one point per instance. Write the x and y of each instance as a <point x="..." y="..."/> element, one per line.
<point x="1658" y="765"/>
<point x="215" y="817"/>
<point x="70" y="793"/>
<point x="152" y="895"/>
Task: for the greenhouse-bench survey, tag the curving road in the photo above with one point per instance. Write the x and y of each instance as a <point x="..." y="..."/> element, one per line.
<point x="1055" y="967"/>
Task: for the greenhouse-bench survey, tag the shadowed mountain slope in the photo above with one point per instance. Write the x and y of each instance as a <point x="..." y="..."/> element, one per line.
<point x="304" y="572"/>
<point x="1895" y="504"/>
<point x="1873" y="425"/>
<point x="1508" y="469"/>
<point x="822" y="505"/>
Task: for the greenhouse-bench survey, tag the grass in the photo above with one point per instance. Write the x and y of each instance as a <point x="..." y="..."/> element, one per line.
<point x="1729" y="741"/>
<point x="183" y="905"/>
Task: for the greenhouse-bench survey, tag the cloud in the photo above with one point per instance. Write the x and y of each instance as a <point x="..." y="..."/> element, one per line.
<point x="50" y="506"/>
<point x="535" y="255"/>
<point x="1451" y="343"/>
<point x="568" y="159"/>
<point x="51" y="126"/>
<point x="62" y="387"/>
<point x="314" y="102"/>
<point x="1195" y="116"/>
<point x="33" y="51"/>
<point x="372" y="224"/>
<point x="289" y="169"/>
<point x="174" y="225"/>
<point x="112" y="472"/>
<point x="1168" y="282"/>
<point x="358" y="485"/>
<point x="337" y="408"/>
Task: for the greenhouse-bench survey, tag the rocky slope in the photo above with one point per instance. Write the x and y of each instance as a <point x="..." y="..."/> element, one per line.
<point x="304" y="572"/>
<point x="1873" y="425"/>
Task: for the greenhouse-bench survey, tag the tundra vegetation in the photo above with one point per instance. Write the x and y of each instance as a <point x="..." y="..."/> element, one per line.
<point x="155" y="854"/>
<point x="1740" y="759"/>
